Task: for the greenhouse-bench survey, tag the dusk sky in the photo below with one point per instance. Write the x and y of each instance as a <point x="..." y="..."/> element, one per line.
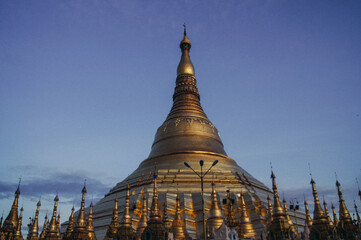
<point x="85" y="85"/>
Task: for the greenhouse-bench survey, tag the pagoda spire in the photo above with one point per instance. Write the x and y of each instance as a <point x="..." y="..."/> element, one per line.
<point x="178" y="227"/>
<point x="114" y="224"/>
<point x="327" y="214"/>
<point x="269" y="213"/>
<point x="280" y="227"/>
<point x="43" y="231"/>
<point x="185" y="65"/>
<point x="11" y="221"/>
<point x="80" y="231"/>
<point x="70" y="228"/>
<point x="18" y="235"/>
<point x="52" y="232"/>
<point x="143" y="219"/>
<point x="34" y="230"/>
<point x="285" y="208"/>
<point x="345" y="228"/>
<point x="308" y="217"/>
<point x="89" y="226"/>
<point x="215" y="218"/>
<point x="126" y="230"/>
<point x="155" y="228"/>
<point x="335" y="219"/>
<point x="167" y="223"/>
<point x="246" y="229"/>
<point x="320" y="227"/>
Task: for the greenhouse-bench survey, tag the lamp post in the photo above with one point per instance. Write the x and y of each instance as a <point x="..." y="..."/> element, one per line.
<point x="294" y="207"/>
<point x="201" y="162"/>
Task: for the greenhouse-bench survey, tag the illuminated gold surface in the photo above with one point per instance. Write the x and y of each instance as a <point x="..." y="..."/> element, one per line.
<point x="245" y="229"/>
<point x="52" y="232"/>
<point x="89" y="226"/>
<point x="70" y="228"/>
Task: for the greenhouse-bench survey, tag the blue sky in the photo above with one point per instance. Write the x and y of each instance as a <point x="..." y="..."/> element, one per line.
<point x="85" y="84"/>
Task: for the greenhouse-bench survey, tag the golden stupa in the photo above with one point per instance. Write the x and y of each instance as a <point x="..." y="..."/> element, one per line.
<point x="187" y="135"/>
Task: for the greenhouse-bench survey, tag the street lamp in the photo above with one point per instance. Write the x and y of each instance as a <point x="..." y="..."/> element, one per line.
<point x="201" y="163"/>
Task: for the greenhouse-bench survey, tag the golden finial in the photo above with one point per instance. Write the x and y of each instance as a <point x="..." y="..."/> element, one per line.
<point x="335" y="219"/>
<point x="277" y="207"/>
<point x="285" y="208"/>
<point x="246" y="229"/>
<point x="215" y="218"/>
<point x="269" y="211"/>
<point x="343" y="211"/>
<point x="114" y="224"/>
<point x="11" y="221"/>
<point x="178" y="223"/>
<point x="18" y="235"/>
<point x="317" y="212"/>
<point x="308" y="217"/>
<point x="185" y="65"/>
<point x="166" y="222"/>
<point x="70" y="228"/>
<point x="58" y="225"/>
<point x="126" y="220"/>
<point x="52" y="231"/>
<point x="143" y="219"/>
<point x="43" y="231"/>
<point x="89" y="226"/>
<point x="327" y="213"/>
<point x="154" y="211"/>
<point x="34" y="229"/>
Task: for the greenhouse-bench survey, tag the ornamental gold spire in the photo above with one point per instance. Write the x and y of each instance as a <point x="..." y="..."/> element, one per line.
<point x="186" y="118"/>
<point x="269" y="212"/>
<point x="327" y="214"/>
<point x="277" y="207"/>
<point x="58" y="225"/>
<point x="215" y="218"/>
<point x="18" y="235"/>
<point x="52" y="232"/>
<point x="308" y="217"/>
<point x="335" y="219"/>
<point x="155" y="228"/>
<point x="178" y="227"/>
<point x="320" y="227"/>
<point x="11" y="221"/>
<point x="70" y="228"/>
<point x="114" y="224"/>
<point x="345" y="228"/>
<point x="167" y="223"/>
<point x="246" y="229"/>
<point x="343" y="211"/>
<point x="34" y="229"/>
<point x="89" y="225"/>
<point x="143" y="219"/>
<point x="43" y="231"/>
<point x="185" y="65"/>
<point x="285" y="208"/>
<point x="126" y="230"/>
<point x="80" y="231"/>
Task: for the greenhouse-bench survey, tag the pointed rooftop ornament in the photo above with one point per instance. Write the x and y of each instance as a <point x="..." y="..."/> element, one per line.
<point x="167" y="223"/>
<point x="178" y="227"/>
<point x="43" y="231"/>
<point x="308" y="217"/>
<point x="335" y="219"/>
<point x="18" y="235"/>
<point x="143" y="219"/>
<point x="280" y="227"/>
<point x="89" y="225"/>
<point x="11" y="221"/>
<point x="215" y="218"/>
<point x="114" y="224"/>
<point x="58" y="226"/>
<point x="70" y="228"/>
<point x="33" y="233"/>
<point x="52" y="231"/>
<point x="320" y="227"/>
<point x="80" y="231"/>
<point x="125" y="230"/>
<point x="269" y="213"/>
<point x="285" y="208"/>
<point x="185" y="65"/>
<point x="327" y="214"/>
<point x="346" y="229"/>
<point x="245" y="229"/>
<point x="155" y="229"/>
